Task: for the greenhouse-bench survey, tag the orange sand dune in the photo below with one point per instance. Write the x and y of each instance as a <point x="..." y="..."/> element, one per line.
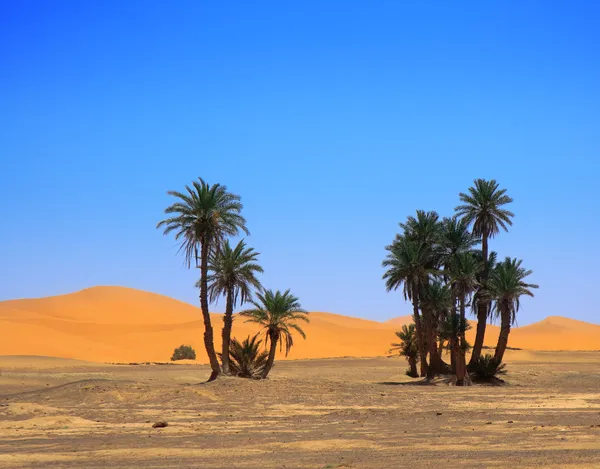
<point x="116" y="324"/>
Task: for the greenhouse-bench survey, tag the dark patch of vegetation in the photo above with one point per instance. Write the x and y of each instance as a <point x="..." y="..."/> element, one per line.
<point x="246" y="360"/>
<point x="184" y="352"/>
<point x="444" y="267"/>
<point x="487" y="369"/>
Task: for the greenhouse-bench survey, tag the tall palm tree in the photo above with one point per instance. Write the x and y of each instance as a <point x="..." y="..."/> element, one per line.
<point x="232" y="274"/>
<point x="202" y="218"/>
<point x="408" y="347"/>
<point x="464" y="270"/>
<point x="507" y="285"/>
<point x="278" y="314"/>
<point x="483" y="207"/>
<point x="407" y="264"/>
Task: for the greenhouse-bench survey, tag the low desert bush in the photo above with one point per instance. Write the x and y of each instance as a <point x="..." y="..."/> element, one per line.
<point x="184" y="352"/>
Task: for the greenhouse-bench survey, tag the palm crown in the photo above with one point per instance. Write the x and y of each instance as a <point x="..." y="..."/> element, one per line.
<point x="203" y="215"/>
<point x="233" y="270"/>
<point x="464" y="269"/>
<point x="507" y="285"/>
<point x="408" y="263"/>
<point x="408" y="345"/>
<point x="278" y="314"/>
<point x="425" y="228"/>
<point x="483" y="207"/>
<point x="456" y="238"/>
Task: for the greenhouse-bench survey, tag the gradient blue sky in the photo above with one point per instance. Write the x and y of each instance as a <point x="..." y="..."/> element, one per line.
<point x="333" y="120"/>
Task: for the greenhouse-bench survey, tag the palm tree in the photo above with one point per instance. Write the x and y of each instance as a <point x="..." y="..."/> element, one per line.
<point x="436" y="302"/>
<point x="426" y="230"/>
<point x="232" y="274"/>
<point x="201" y="218"/>
<point x="407" y="265"/>
<point x="277" y="313"/>
<point x="483" y="208"/>
<point x="507" y="285"/>
<point x="408" y="347"/>
<point x="464" y="270"/>
<point x="247" y="361"/>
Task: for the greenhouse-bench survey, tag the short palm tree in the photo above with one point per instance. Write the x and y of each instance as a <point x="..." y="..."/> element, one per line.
<point x="232" y="274"/>
<point x="483" y="207"/>
<point x="408" y="347"/>
<point x="246" y="358"/>
<point x="202" y="217"/>
<point x="278" y="314"/>
<point x="408" y="265"/>
<point x="464" y="270"/>
<point x="436" y="303"/>
<point x="507" y="285"/>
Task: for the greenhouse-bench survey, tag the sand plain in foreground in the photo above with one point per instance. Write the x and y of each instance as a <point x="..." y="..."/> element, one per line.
<point x="325" y="413"/>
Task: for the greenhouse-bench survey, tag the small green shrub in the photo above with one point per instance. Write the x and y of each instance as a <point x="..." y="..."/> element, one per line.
<point x="184" y="352"/>
<point x="487" y="369"/>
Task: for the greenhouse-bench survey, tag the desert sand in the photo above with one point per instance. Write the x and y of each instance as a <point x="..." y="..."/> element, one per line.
<point x="116" y="324"/>
<point x="324" y="413"/>
<point x="73" y="406"/>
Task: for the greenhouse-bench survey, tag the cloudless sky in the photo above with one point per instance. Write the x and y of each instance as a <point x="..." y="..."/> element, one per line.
<point x="332" y="120"/>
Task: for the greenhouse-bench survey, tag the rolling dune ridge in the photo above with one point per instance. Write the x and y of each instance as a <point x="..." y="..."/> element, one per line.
<point x="117" y="324"/>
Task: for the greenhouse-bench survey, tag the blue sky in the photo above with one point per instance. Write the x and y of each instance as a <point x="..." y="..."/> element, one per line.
<point x="334" y="122"/>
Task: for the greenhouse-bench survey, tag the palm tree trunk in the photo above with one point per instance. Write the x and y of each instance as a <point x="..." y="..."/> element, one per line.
<point x="274" y="339"/>
<point x="412" y="363"/>
<point x="440" y="351"/>
<point x="226" y="332"/>
<point x="420" y="333"/>
<point x="482" y="306"/>
<point x="208" y="329"/>
<point x="432" y="346"/>
<point x="462" y="377"/>
<point x="503" y="337"/>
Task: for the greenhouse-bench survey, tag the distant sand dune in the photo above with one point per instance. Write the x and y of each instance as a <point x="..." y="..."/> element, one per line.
<point x="116" y="324"/>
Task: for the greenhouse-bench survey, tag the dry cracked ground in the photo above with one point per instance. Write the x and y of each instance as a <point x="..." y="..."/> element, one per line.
<point x="334" y="413"/>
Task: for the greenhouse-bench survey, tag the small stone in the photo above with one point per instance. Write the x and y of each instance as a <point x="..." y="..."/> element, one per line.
<point x="488" y="423"/>
<point x="438" y="413"/>
<point x="510" y="421"/>
<point x="160" y="425"/>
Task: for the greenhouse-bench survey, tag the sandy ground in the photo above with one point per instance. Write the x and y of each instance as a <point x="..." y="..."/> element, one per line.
<point x="116" y="324"/>
<point x="330" y="413"/>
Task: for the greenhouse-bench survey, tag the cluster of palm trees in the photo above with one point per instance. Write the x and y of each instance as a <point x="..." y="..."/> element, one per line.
<point x="444" y="266"/>
<point x="202" y="219"/>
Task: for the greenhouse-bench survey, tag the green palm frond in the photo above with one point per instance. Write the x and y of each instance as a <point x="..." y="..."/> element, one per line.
<point x="408" y="264"/>
<point x="507" y="285"/>
<point x="233" y="270"/>
<point x="408" y="345"/>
